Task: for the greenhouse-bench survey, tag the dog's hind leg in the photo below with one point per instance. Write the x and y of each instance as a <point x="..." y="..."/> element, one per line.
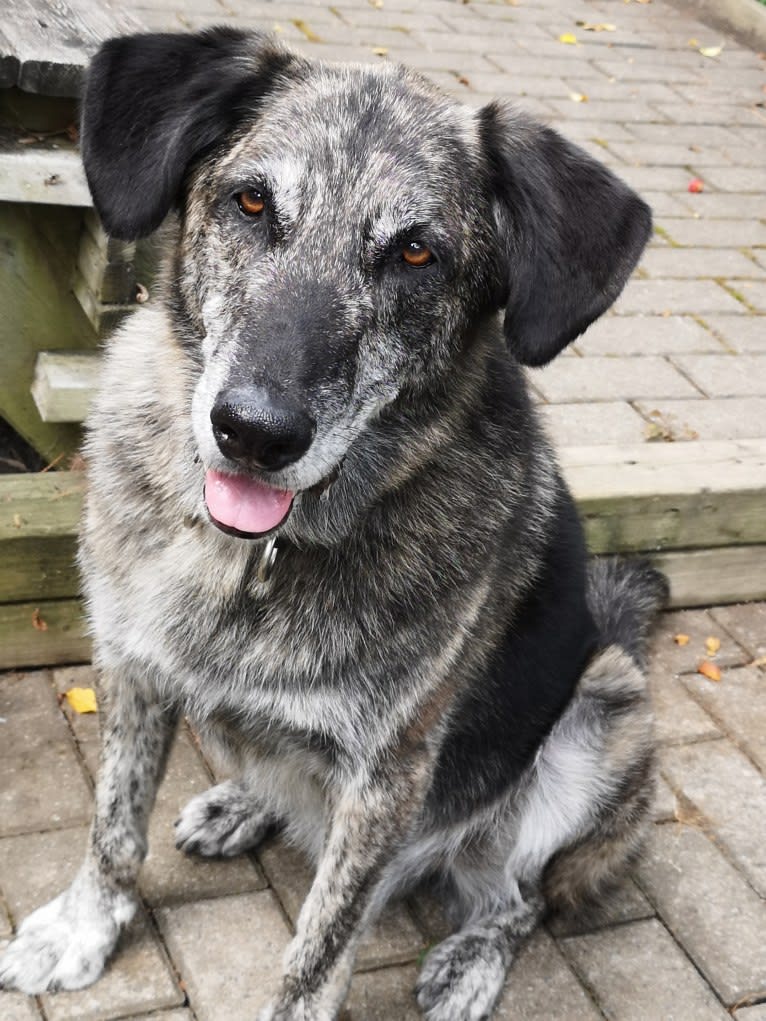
<point x="224" y="821"/>
<point x="463" y="976"/>
<point x="65" y="944"/>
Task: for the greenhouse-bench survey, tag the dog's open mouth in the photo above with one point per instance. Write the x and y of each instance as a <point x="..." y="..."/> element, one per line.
<point x="244" y="506"/>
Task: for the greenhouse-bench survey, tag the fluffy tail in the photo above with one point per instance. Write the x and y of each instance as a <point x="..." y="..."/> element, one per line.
<point x="624" y="597"/>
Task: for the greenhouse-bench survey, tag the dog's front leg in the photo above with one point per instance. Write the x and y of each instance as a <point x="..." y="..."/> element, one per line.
<point x="65" y="944"/>
<point x="368" y="822"/>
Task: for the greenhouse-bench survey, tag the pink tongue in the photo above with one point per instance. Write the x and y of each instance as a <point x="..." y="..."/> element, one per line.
<point x="245" y="504"/>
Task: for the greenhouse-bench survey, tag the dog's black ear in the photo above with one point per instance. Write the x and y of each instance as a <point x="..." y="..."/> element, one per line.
<point x="571" y="231"/>
<point x="155" y="102"/>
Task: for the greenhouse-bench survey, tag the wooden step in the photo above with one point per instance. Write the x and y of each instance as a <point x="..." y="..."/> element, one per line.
<point x="64" y="384"/>
<point x="695" y="509"/>
<point x="36" y="169"/>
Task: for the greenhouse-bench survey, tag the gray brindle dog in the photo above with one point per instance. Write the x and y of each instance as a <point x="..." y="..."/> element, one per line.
<point x="324" y="523"/>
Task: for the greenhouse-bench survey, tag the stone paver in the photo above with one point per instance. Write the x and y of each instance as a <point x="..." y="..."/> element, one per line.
<point x="647" y="334"/>
<point x="36" y="867"/>
<point x="42" y="784"/>
<point x="677" y="717"/>
<point x="709" y="908"/>
<point x="638" y="972"/>
<point x="720" y="418"/>
<point x="746" y="623"/>
<point x="539" y="978"/>
<point x="577" y="424"/>
<point x="738" y="703"/>
<point x="230" y="952"/>
<point x="725" y="375"/>
<point x="740" y="334"/>
<point x="721" y="783"/>
<point x="394" y="939"/>
<point x="609" y="379"/>
<point x="679" y="296"/>
<point x="700" y="262"/>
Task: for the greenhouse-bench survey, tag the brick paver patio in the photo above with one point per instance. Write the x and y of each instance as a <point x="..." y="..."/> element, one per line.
<point x="685" y="345"/>
<point x="683" y="940"/>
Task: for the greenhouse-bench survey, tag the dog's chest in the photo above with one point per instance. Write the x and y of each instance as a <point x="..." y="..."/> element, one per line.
<point x="227" y="646"/>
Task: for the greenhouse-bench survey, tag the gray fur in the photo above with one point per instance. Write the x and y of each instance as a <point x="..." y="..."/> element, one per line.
<point x="419" y="531"/>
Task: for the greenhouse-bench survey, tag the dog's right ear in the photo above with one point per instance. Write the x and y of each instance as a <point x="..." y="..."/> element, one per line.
<point x="155" y="102"/>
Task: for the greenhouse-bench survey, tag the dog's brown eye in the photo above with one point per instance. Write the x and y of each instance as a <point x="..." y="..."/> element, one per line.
<point x="251" y="202"/>
<point x="416" y="254"/>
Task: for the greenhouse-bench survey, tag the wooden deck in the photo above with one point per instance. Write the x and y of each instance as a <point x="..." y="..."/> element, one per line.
<point x="696" y="509"/>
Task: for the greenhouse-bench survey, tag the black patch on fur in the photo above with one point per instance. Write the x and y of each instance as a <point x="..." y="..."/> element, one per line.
<point x="156" y="102"/>
<point x="572" y="232"/>
<point x="506" y="714"/>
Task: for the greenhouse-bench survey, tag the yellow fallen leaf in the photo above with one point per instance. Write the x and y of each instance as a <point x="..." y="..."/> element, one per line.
<point x="681" y="639"/>
<point x="599" y="26"/>
<point x="307" y="30"/>
<point x="709" y="670"/>
<point x="712" y="645"/>
<point x="711" y="51"/>
<point x="578" y="97"/>
<point x="568" y="38"/>
<point x="694" y="43"/>
<point x="82" y="700"/>
<point x="380" y="51"/>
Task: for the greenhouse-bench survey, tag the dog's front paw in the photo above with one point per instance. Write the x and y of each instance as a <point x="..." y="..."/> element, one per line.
<point x="462" y="978"/>
<point x="298" y="1011"/>
<point x="222" y="822"/>
<point x="65" y="944"/>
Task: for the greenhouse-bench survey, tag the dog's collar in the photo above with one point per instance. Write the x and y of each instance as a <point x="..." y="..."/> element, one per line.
<point x="266" y="562"/>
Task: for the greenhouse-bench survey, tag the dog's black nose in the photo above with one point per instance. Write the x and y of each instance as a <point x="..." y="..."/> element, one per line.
<point x="255" y="428"/>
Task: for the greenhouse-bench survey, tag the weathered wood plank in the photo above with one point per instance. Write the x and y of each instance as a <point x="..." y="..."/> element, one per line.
<point x="39" y="516"/>
<point x="107" y="271"/>
<point x="46" y="171"/>
<point x="43" y="634"/>
<point x="736" y="574"/>
<point x="40" y="505"/>
<point x="669" y="496"/>
<point x="10" y="64"/>
<point x="64" y="384"/>
<point x="39" y="312"/>
<point x="52" y="40"/>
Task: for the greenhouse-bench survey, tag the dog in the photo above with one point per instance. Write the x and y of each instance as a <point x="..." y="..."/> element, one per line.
<point x="324" y="523"/>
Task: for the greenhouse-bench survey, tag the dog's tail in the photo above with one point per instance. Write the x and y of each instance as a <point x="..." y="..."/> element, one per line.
<point x="624" y="597"/>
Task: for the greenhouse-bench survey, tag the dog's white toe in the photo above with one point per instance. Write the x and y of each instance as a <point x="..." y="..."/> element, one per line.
<point x="222" y="822"/>
<point x="461" y="978"/>
<point x="66" y="943"/>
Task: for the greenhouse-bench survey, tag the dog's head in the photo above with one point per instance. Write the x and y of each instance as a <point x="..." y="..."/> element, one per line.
<point x="345" y="232"/>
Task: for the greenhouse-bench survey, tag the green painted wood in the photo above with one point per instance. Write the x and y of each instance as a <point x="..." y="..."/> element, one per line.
<point x="40" y="313"/>
<point x="43" y="634"/>
<point x="735" y="574"/>
<point x="39" y="516"/>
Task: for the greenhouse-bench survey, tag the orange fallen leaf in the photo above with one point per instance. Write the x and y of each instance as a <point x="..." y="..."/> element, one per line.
<point x="712" y="645"/>
<point x="681" y="639"/>
<point x="82" y="700"/>
<point x="37" y="621"/>
<point x="709" y="670"/>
